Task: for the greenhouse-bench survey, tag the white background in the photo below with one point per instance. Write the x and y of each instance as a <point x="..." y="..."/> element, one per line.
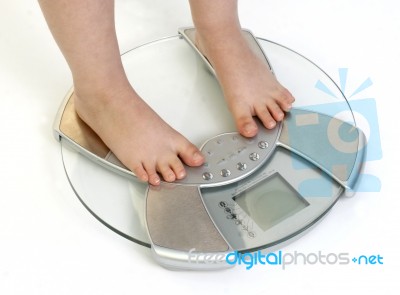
<point x="50" y="244"/>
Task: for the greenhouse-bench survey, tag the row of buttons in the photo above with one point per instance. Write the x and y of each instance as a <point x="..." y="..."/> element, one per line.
<point x="239" y="166"/>
<point x="230" y="214"/>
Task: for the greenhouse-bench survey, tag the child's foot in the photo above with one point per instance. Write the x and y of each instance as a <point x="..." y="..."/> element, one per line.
<point x="140" y="139"/>
<point x="249" y="87"/>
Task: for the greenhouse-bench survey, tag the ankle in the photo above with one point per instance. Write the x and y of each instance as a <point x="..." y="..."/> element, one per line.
<point x="217" y="35"/>
<point x="101" y="90"/>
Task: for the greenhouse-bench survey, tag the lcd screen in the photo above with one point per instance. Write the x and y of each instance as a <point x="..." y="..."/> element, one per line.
<point x="270" y="201"/>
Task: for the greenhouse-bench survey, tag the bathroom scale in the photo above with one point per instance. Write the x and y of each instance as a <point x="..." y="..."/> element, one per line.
<point x="251" y="193"/>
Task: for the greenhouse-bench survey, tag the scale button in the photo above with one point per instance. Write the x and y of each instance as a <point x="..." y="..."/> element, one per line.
<point x="225" y="172"/>
<point x="207" y="176"/>
<point x="228" y="210"/>
<point x="254" y="156"/>
<point x="222" y="204"/>
<point x="263" y="144"/>
<point x="251" y="234"/>
<point x="241" y="166"/>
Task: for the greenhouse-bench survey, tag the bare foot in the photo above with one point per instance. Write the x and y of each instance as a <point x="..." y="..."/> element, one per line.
<point x="140" y="139"/>
<point x="249" y="87"/>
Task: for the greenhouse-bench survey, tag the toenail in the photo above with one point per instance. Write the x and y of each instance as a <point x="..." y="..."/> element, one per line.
<point x="249" y="127"/>
<point x="181" y="174"/>
<point x="197" y="157"/>
<point x="156" y="181"/>
<point x="171" y="177"/>
<point x="271" y="124"/>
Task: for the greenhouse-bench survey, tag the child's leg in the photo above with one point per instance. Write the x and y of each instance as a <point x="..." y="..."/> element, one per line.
<point x="85" y="33"/>
<point x="249" y="87"/>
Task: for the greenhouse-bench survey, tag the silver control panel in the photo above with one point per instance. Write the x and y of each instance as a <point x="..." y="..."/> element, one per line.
<point x="230" y="157"/>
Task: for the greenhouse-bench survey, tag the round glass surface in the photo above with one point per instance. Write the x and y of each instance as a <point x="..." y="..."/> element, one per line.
<point x="174" y="81"/>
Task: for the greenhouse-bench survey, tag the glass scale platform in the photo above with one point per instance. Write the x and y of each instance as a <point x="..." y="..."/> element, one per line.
<point x="171" y="77"/>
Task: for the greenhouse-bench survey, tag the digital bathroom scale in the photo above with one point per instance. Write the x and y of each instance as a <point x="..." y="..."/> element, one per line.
<point x="251" y="193"/>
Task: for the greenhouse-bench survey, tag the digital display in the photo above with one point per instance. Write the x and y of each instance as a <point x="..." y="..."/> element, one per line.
<point x="270" y="201"/>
